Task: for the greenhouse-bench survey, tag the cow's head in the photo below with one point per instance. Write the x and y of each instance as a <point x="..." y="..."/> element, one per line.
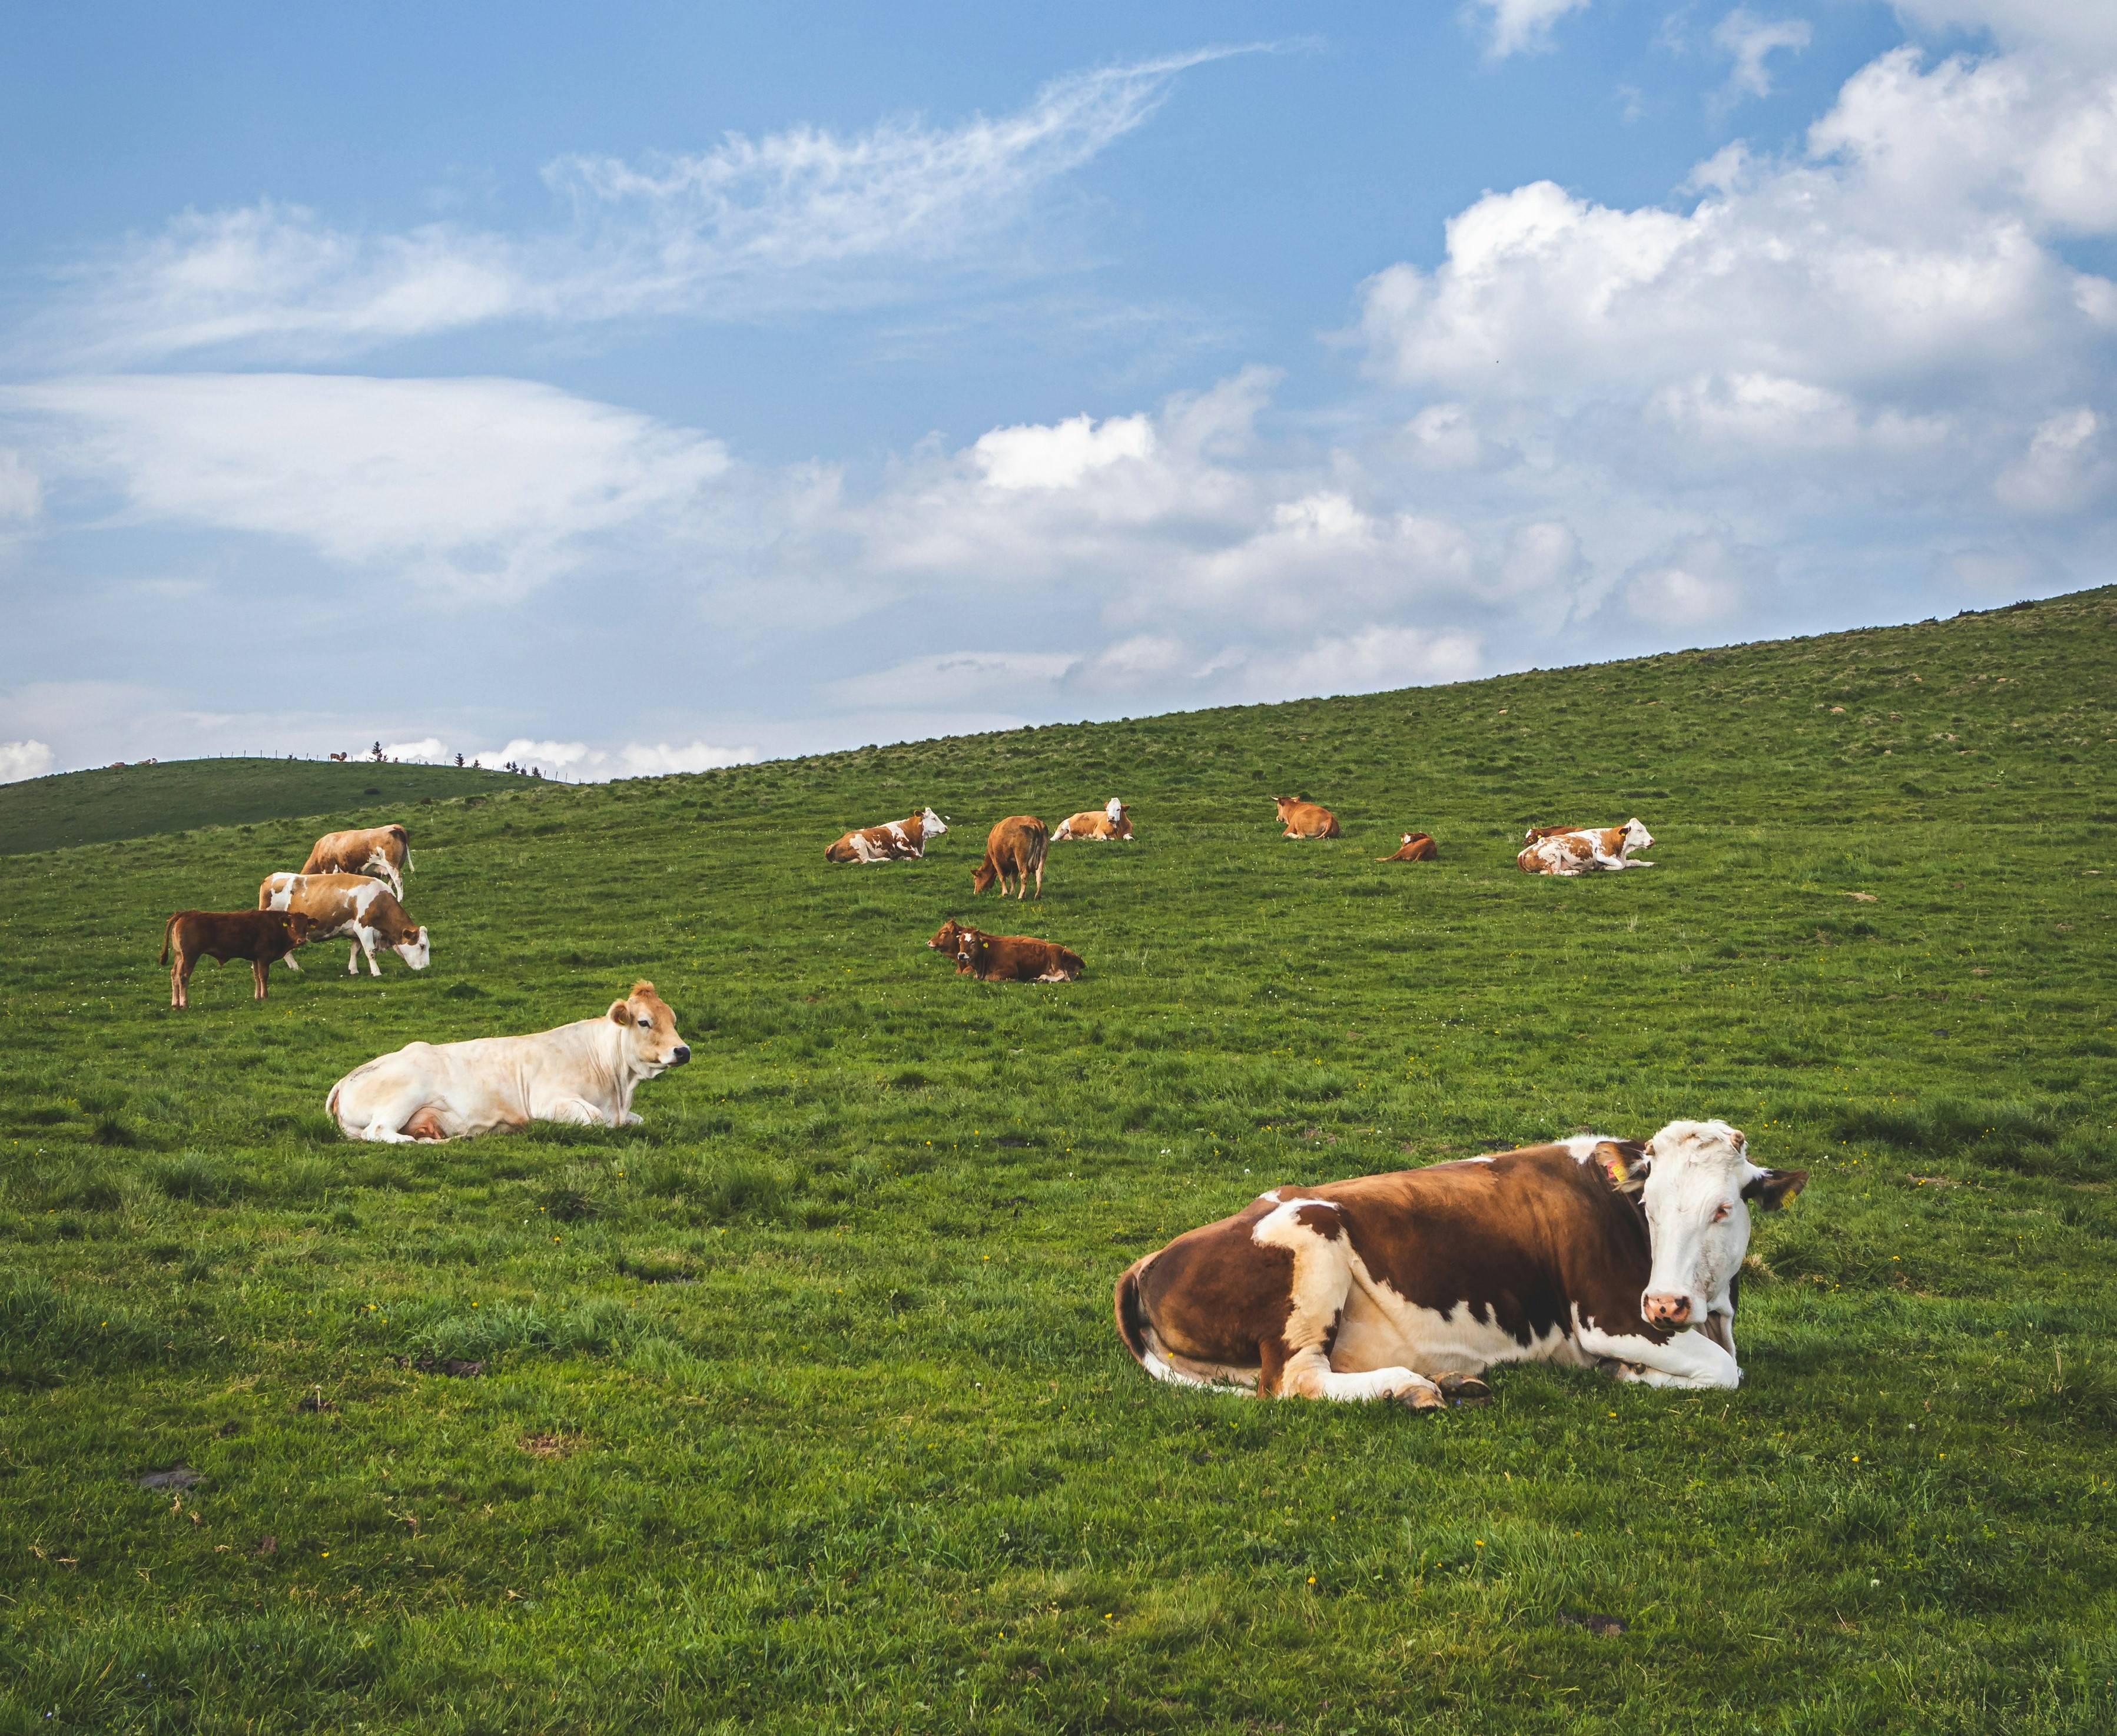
<point x="298" y="924"/>
<point x="1285" y="805"/>
<point x="1697" y="1185"/>
<point x="650" y="1041"/>
<point x="983" y="876"/>
<point x="1637" y="837"/>
<point x="932" y="824"/>
<point x="949" y="937"/>
<point x="1114" y="810"/>
<point x="415" y="950"/>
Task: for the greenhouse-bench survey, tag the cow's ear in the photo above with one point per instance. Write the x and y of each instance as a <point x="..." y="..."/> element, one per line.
<point x="620" y="1013"/>
<point x="1770" y="1188"/>
<point x="1625" y="1164"/>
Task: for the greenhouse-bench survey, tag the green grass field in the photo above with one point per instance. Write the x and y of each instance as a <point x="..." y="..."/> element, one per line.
<point x="801" y="1408"/>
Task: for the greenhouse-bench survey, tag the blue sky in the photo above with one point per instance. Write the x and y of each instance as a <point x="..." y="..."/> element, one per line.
<point x="651" y="387"/>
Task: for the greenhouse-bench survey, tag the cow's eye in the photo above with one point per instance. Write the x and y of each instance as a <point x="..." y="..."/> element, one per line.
<point x="644" y="1023"/>
<point x="1719" y="1211"/>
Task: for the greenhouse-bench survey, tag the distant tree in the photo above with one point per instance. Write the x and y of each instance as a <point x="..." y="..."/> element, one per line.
<point x="376" y="750"/>
<point x="459" y="761"/>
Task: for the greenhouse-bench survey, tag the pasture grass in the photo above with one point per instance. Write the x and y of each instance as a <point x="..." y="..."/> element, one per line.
<point x="798" y="1408"/>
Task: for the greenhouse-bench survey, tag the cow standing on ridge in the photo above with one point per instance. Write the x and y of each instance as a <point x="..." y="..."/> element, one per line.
<point x="384" y="851"/>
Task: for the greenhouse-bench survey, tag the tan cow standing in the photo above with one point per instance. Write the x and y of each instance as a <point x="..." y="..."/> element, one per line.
<point x="899" y="841"/>
<point x="384" y="851"/>
<point x="1416" y="846"/>
<point x="583" y="1073"/>
<point x="1015" y="847"/>
<point x="351" y="907"/>
<point x="1112" y="826"/>
<point x="1305" y="819"/>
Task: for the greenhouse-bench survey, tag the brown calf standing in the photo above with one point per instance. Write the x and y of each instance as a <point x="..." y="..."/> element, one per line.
<point x="1305" y="819"/>
<point x="1416" y="847"/>
<point x="262" y="936"/>
<point x="1015" y="958"/>
<point x="1015" y="846"/>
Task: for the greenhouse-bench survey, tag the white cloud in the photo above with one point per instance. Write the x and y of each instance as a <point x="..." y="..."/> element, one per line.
<point x="1370" y="660"/>
<point x="1059" y="456"/>
<point x="23" y="759"/>
<point x="1519" y="25"/>
<point x="1699" y="584"/>
<point x="2079" y="26"/>
<point x="2067" y="465"/>
<point x="640" y="760"/>
<point x="804" y="218"/>
<point x="576" y="761"/>
<point x="426" y="752"/>
<point x="490" y="487"/>
<point x="1750" y="41"/>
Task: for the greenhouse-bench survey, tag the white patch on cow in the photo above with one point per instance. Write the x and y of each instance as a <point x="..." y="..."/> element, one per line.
<point x="1324" y="1284"/>
<point x="1382" y="1328"/>
<point x="1689" y="1359"/>
<point x="1272" y="1196"/>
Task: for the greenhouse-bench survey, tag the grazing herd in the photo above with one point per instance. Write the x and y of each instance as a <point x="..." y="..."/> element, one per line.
<point x="1617" y="1254"/>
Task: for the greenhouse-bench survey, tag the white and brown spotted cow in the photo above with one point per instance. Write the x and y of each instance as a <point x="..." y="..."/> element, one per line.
<point x="1407" y="1286"/>
<point x="583" y="1073"/>
<point x="1112" y="826"/>
<point x="1587" y="850"/>
<point x="349" y="907"/>
<point x="900" y="841"/>
<point x="384" y="851"/>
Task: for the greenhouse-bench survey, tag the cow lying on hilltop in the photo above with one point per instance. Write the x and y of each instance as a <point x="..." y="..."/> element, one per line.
<point x="1416" y="846"/>
<point x="1014" y="958"/>
<point x="583" y="1073"/>
<point x="384" y="851"/>
<point x="262" y="936"/>
<point x="1407" y="1286"/>
<point x="1305" y="819"/>
<point x="349" y="906"/>
<point x="899" y="841"/>
<point x="1015" y="847"/>
<point x="1584" y="852"/>
<point x="1112" y="826"/>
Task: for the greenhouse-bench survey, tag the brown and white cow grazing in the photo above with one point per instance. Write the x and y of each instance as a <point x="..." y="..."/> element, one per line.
<point x="1015" y="958"/>
<point x="1016" y="847"/>
<point x="1415" y="846"/>
<point x="349" y="906"/>
<point x="1305" y="819"/>
<point x="583" y="1073"/>
<point x="1112" y="826"/>
<point x="1590" y="1251"/>
<point x="900" y="841"/>
<point x="1587" y="851"/>
<point x="262" y="936"/>
<point x="384" y="851"/>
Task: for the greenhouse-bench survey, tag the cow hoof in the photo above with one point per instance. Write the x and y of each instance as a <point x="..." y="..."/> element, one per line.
<point x="1464" y="1390"/>
<point x="1422" y="1398"/>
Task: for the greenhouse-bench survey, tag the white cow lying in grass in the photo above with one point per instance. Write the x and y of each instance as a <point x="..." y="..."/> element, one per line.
<point x="584" y="1073"/>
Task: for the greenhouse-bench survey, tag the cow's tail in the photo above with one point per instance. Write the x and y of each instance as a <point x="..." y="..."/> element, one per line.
<point x="1131" y="1319"/>
<point x="168" y="928"/>
<point x="1331" y="830"/>
<point x="404" y="843"/>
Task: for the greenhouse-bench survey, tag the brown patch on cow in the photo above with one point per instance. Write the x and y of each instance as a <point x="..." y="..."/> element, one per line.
<point x="1014" y="848"/>
<point x="551" y="1446"/>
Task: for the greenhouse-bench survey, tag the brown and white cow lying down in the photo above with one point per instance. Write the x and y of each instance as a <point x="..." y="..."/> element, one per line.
<point x="1415" y="846"/>
<point x="384" y="851"/>
<point x="583" y="1073"/>
<point x="1407" y="1286"/>
<point x="1305" y="819"/>
<point x="1112" y="826"/>
<point x="1585" y="851"/>
<point x="262" y="936"/>
<point x="900" y="841"/>
<point x="349" y="906"/>
<point x="1014" y="958"/>
<point x="1015" y="847"/>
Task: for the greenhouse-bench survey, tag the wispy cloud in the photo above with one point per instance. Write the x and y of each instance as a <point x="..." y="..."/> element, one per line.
<point x="1750" y="42"/>
<point x="1521" y="26"/>
<point x="751" y="229"/>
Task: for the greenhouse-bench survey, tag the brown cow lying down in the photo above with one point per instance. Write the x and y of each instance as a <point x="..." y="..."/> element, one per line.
<point x="1112" y="826"/>
<point x="1586" y="851"/>
<point x="1016" y="847"/>
<point x="350" y="906"/>
<point x="1305" y="819"/>
<point x="384" y="851"/>
<point x="1014" y="958"/>
<point x="1407" y="1286"/>
<point x="262" y="936"/>
<point x="1416" y="847"/>
<point x="583" y="1073"/>
<point x="897" y="841"/>
<point x="949" y="937"/>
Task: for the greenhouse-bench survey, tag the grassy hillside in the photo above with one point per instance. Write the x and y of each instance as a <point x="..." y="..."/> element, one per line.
<point x="74" y="807"/>
<point x="799" y="1407"/>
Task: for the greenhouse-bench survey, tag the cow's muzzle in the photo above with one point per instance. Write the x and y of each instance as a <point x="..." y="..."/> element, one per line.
<point x="683" y="1053"/>
<point x="1666" y="1309"/>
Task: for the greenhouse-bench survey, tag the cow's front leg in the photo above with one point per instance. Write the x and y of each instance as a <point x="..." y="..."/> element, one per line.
<point x="1689" y="1359"/>
<point x="576" y="1111"/>
<point x="1307" y="1373"/>
<point x="289" y="961"/>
